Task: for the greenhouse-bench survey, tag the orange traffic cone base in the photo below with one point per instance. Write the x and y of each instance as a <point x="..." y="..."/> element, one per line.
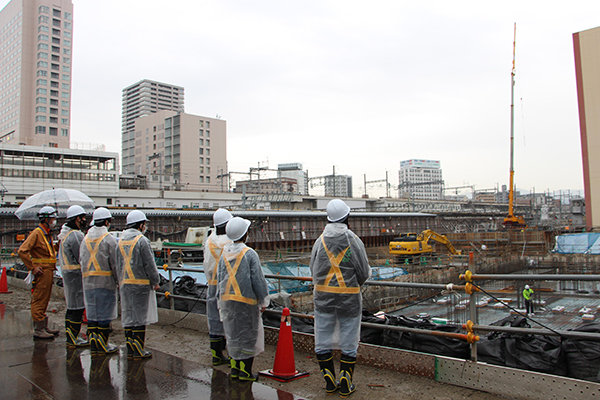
<point x="4" y="283"/>
<point x="269" y="374"/>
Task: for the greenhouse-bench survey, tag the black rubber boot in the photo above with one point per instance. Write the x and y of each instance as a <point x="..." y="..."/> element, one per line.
<point x="245" y="367"/>
<point x="235" y="372"/>
<point x="102" y="334"/>
<point x="217" y="345"/>
<point x="328" y="370"/>
<point x="129" y="341"/>
<point x="91" y="333"/>
<point x="72" y="327"/>
<point x="346" y="372"/>
<point x="138" y="335"/>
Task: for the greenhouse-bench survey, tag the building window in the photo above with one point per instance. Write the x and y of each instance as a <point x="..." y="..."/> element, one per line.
<point x="201" y="160"/>
<point x="56" y="32"/>
<point x="41" y="91"/>
<point x="68" y="25"/>
<point x="54" y="93"/>
<point x="67" y="43"/>
<point x="54" y="75"/>
<point x="54" y="111"/>
<point x="201" y="142"/>
<point x="208" y="179"/>
<point x="201" y="179"/>
<point x="64" y="132"/>
<point x="207" y="124"/>
<point x="64" y="121"/>
<point x="55" y="40"/>
<point x="207" y="161"/>
<point x="65" y="86"/>
<point x="40" y="118"/>
<point x="40" y="130"/>
<point x="43" y="37"/>
<point x="67" y="51"/>
<point x="64" y="104"/>
<point x="44" y="10"/>
<point x="201" y="150"/>
<point x="208" y="152"/>
<point x="67" y="34"/>
<point x="68" y="16"/>
<point x="53" y="84"/>
<point x="43" y="28"/>
<point x="64" y="113"/>
<point x="64" y="95"/>
<point x="55" y="67"/>
<point x="56" y="22"/>
<point x="42" y="46"/>
<point x="207" y="132"/>
<point x="43" y="19"/>
<point x="55" y="49"/>
<point x="42" y="64"/>
<point x="207" y="142"/>
<point x="66" y="60"/>
<point x="41" y="100"/>
<point x="42" y="55"/>
<point x="55" y="58"/>
<point x="51" y="144"/>
<point x="53" y="120"/>
<point x="53" y="131"/>
<point x="66" y="68"/>
<point x="53" y="102"/>
<point x="40" y="109"/>
<point x="56" y="13"/>
<point x="201" y="132"/>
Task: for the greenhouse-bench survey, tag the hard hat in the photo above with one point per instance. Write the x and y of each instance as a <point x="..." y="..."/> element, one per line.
<point x="236" y="228"/>
<point x="221" y="217"/>
<point x="337" y="210"/>
<point x="47" y="212"/>
<point x="527" y="287"/>
<point x="75" y="211"/>
<point x="136" y="216"/>
<point x="100" y="214"/>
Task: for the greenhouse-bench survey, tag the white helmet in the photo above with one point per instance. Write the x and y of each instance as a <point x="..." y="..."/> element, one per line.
<point x="221" y="217"/>
<point x="236" y="228"/>
<point x="136" y="216"/>
<point x="47" y="212"/>
<point x="75" y="211"/>
<point x="101" y="214"/>
<point x="337" y="210"/>
<point x="527" y="287"/>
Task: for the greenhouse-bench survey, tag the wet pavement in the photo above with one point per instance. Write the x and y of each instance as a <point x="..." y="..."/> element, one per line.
<point x="49" y="370"/>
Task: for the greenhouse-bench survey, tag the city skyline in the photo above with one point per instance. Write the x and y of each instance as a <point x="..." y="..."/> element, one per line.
<point x="362" y="89"/>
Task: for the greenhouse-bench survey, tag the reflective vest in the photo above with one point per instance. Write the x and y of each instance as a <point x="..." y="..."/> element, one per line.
<point x="66" y="266"/>
<point x="232" y="283"/>
<point x="216" y="252"/>
<point x="335" y="261"/>
<point x="93" y="268"/>
<point x="45" y="261"/>
<point x="128" y="276"/>
<point x="527" y="293"/>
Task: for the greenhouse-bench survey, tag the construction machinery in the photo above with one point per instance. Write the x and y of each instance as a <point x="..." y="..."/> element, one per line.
<point x="512" y="220"/>
<point x="409" y="245"/>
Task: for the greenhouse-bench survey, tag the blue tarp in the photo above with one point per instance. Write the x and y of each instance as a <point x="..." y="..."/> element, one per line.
<point x="578" y="243"/>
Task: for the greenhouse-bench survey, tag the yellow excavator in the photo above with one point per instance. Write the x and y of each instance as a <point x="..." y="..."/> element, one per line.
<point x="412" y="244"/>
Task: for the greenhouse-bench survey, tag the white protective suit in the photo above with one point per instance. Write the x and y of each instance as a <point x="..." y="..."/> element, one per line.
<point x="137" y="277"/>
<point x="68" y="259"/>
<point x="242" y="291"/>
<point x="98" y="259"/>
<point x="339" y="266"/>
<point x="213" y="247"/>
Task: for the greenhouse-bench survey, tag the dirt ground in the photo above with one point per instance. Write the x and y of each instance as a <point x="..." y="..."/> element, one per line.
<point x="193" y="346"/>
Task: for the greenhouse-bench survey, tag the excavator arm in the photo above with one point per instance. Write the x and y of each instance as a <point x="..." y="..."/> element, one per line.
<point x="428" y="234"/>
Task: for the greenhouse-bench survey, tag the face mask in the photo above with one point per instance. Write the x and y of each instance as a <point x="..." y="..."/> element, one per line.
<point x="144" y="230"/>
<point x="53" y="224"/>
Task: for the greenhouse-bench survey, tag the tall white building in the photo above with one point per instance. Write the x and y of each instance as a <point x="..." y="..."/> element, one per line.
<point x="338" y="186"/>
<point x="420" y="179"/>
<point x="143" y="98"/>
<point x="35" y="72"/>
<point x="294" y="171"/>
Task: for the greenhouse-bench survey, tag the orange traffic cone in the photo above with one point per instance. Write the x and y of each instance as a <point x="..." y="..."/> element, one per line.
<point x="4" y="282"/>
<point x="284" y="368"/>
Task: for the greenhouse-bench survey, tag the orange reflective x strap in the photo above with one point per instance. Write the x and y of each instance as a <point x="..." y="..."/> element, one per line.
<point x="232" y="282"/>
<point x="49" y="260"/>
<point x="128" y="276"/>
<point x="93" y="262"/>
<point x="65" y="265"/>
<point x="335" y="270"/>
<point x="216" y="252"/>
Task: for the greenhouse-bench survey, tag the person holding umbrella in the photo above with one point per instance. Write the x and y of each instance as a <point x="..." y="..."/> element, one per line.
<point x="39" y="256"/>
<point x="70" y="238"/>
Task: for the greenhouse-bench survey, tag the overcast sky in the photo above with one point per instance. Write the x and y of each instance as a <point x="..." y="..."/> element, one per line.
<point x="360" y="85"/>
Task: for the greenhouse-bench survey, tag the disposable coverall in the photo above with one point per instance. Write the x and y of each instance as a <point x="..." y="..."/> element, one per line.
<point x="38" y="251"/>
<point x="339" y="265"/>
<point x="242" y="290"/>
<point x="212" y="253"/>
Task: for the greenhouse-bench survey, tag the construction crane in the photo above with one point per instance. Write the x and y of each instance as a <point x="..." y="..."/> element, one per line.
<point x="512" y="220"/>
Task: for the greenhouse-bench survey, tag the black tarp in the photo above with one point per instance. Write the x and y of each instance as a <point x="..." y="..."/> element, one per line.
<point x="583" y="356"/>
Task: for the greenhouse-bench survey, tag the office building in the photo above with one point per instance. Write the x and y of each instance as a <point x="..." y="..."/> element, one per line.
<point x="143" y="98"/>
<point x="294" y="171"/>
<point x="587" y="70"/>
<point x="338" y="186"/>
<point x="178" y="151"/>
<point x="35" y="72"/>
<point x="420" y="179"/>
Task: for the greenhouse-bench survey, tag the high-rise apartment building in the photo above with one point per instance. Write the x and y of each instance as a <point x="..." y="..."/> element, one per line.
<point x="420" y="179"/>
<point x="143" y="98"/>
<point x="338" y="186"/>
<point x="179" y="151"/>
<point x="294" y="171"/>
<point x="35" y="72"/>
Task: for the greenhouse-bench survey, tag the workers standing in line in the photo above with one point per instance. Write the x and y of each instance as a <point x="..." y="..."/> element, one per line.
<point x="70" y="238"/>
<point x="212" y="254"/>
<point x="138" y="280"/>
<point x="98" y="259"/>
<point x="339" y="266"/>
<point x="39" y="256"/>
<point x="242" y="293"/>
<point x="527" y="292"/>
